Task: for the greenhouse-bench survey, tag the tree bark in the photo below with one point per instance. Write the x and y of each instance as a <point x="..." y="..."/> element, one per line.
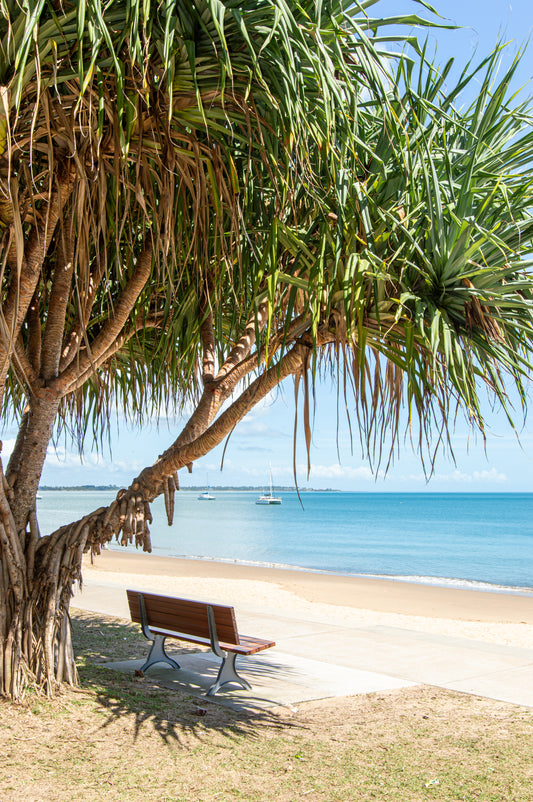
<point x="96" y="355"/>
<point x="23" y="283"/>
<point x="25" y="466"/>
<point x="36" y="587"/>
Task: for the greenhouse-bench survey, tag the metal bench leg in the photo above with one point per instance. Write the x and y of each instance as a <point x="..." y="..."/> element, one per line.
<point x="158" y="654"/>
<point x="228" y="673"/>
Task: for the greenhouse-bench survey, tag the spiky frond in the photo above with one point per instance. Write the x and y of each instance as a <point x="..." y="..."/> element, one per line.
<point x="191" y="128"/>
<point x="422" y="267"/>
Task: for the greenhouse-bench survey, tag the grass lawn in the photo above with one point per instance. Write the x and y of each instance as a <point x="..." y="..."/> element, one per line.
<point x="123" y="738"/>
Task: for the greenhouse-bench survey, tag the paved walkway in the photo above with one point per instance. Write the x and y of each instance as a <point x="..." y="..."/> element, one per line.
<point x="316" y="660"/>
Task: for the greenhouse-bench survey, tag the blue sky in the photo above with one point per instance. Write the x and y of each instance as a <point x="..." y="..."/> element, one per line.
<point x="266" y="435"/>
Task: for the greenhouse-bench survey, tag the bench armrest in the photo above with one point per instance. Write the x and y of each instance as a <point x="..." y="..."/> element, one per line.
<point x="213" y="632"/>
<point x="144" y="617"/>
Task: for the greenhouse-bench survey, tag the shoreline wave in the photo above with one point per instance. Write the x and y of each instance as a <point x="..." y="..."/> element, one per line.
<point x="436" y="581"/>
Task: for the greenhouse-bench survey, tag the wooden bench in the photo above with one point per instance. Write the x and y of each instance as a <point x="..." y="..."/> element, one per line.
<point x="199" y="622"/>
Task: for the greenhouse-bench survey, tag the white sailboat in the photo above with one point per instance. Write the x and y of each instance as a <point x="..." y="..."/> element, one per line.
<point x="269" y="498"/>
<point x="206" y="495"/>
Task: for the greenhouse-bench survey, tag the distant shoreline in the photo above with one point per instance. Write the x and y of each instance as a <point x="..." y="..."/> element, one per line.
<point x="282" y="489"/>
<point x="199" y="488"/>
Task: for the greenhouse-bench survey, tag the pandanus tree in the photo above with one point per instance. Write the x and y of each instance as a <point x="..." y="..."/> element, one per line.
<point x="147" y="152"/>
<point x="201" y="201"/>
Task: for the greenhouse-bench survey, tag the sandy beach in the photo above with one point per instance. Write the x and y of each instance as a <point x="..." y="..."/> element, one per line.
<point x="351" y="601"/>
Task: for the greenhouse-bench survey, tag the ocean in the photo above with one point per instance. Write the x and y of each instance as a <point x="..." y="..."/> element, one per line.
<point x="481" y="541"/>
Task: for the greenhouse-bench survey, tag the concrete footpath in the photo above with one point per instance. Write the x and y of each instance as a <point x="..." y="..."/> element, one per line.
<point x="316" y="660"/>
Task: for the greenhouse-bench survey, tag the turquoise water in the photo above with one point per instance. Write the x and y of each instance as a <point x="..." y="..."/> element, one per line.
<point x="467" y="540"/>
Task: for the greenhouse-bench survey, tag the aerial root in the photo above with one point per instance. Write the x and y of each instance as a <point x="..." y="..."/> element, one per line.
<point x="169" y="489"/>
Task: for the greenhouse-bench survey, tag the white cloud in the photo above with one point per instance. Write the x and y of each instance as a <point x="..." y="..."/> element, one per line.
<point x="63" y="460"/>
<point x="333" y="471"/>
<point x="491" y="476"/>
<point x="336" y="471"/>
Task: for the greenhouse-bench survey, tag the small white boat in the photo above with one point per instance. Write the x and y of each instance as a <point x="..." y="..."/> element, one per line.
<point x="269" y="498"/>
<point x="206" y="495"/>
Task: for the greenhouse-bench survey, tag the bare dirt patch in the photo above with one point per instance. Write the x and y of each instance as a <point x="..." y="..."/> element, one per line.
<point x="124" y="738"/>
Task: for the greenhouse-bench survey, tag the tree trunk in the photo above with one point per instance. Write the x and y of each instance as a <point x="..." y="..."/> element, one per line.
<point x="27" y="460"/>
<point x="36" y="588"/>
<point x="36" y="574"/>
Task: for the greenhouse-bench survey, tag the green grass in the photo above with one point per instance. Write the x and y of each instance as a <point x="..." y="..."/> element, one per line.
<point x="124" y="738"/>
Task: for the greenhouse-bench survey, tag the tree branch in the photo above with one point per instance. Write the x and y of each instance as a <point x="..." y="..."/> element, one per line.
<point x="33" y="323"/>
<point x="179" y="455"/>
<point x="94" y="356"/>
<point x="245" y="343"/>
<point x="23" y="285"/>
<point x="114" y="348"/>
<point x="216" y="393"/>
<point x="86" y="300"/>
<point x="239" y="370"/>
<point x="57" y="304"/>
<point x="208" y="349"/>
<point x="24" y="366"/>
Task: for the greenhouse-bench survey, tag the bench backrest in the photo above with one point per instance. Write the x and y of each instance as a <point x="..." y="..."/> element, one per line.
<point x="184" y="615"/>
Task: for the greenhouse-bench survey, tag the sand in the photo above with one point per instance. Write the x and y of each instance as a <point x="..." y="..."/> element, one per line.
<point x="505" y="618"/>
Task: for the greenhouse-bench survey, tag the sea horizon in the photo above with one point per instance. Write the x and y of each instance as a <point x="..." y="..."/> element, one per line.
<point x="293" y="489"/>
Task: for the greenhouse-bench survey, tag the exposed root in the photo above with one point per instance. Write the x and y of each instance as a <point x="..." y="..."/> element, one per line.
<point x="170" y="492"/>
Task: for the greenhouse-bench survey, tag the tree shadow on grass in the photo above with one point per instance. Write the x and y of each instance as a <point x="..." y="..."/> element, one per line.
<point x="176" y="716"/>
<point x="100" y="638"/>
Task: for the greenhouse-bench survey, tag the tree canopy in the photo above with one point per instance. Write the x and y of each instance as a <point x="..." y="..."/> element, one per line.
<point x="201" y="199"/>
